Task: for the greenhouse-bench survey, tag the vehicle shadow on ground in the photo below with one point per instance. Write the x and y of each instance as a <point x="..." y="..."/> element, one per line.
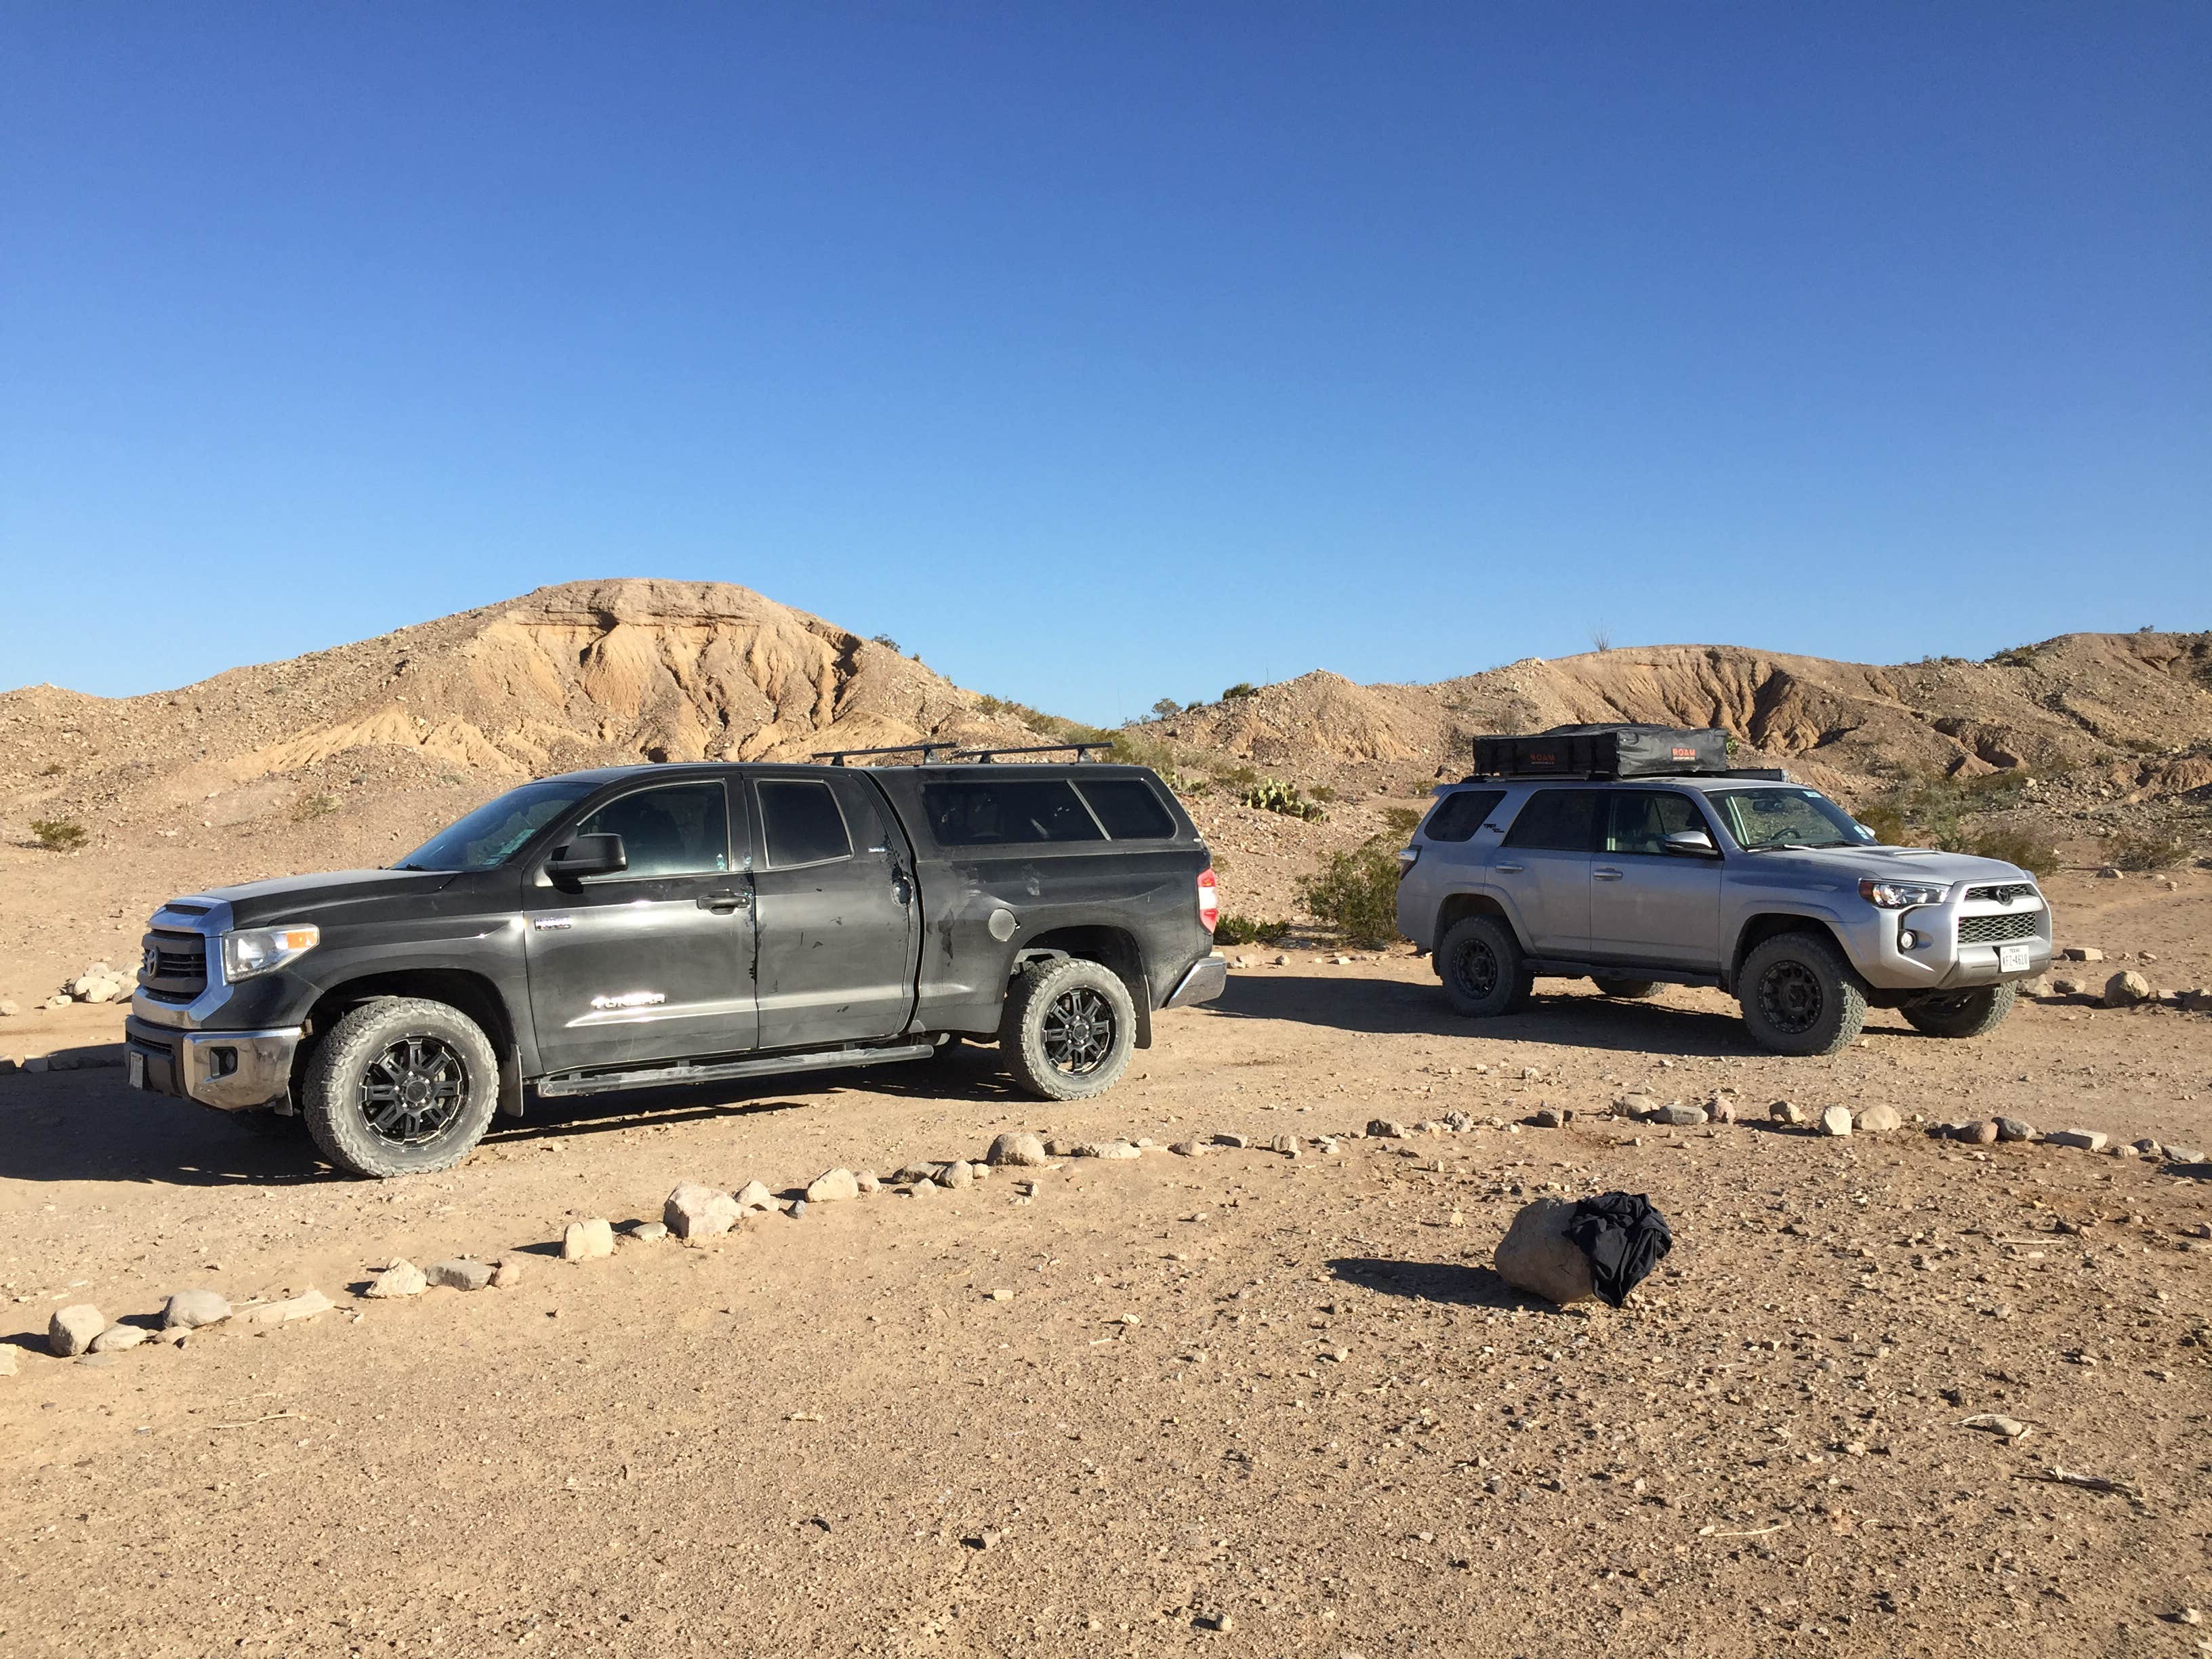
<point x="1450" y="1282"/>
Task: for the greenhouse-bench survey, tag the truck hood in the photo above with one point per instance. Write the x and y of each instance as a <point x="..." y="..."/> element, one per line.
<point x="307" y="898"/>
<point x="1888" y="863"/>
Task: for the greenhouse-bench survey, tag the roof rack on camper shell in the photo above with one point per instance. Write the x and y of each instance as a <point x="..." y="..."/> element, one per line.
<point x="846" y="757"/>
<point x="1081" y="750"/>
<point x="928" y="752"/>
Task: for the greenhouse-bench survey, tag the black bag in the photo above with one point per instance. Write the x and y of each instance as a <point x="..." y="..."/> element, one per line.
<point x="1604" y="751"/>
<point x="1624" y="1238"/>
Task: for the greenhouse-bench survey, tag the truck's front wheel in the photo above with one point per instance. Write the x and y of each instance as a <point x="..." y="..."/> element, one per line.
<point x="1068" y="1027"/>
<point x="401" y="1085"/>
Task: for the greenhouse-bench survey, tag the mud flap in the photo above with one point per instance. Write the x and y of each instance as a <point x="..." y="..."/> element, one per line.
<point x="510" y="1085"/>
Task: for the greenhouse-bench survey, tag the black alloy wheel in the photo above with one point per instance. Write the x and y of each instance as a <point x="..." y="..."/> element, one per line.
<point x="1078" y="1032"/>
<point x="412" y="1092"/>
<point x="1790" y="997"/>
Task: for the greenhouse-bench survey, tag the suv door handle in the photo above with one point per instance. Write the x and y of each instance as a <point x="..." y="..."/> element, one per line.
<point x="721" y="903"/>
<point x="1509" y="869"/>
<point x="1605" y="873"/>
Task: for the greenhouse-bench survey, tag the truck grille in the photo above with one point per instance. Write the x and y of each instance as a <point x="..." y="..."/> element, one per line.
<point x="1997" y="930"/>
<point x="2007" y="893"/>
<point x="172" y="967"/>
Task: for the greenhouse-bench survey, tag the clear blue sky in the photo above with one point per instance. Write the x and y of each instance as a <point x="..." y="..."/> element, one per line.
<point x="1100" y="352"/>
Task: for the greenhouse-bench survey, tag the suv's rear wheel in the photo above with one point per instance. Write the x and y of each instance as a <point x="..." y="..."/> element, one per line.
<point x="1960" y="1014"/>
<point x="401" y="1085"/>
<point x="1067" y="1029"/>
<point x="1480" y="962"/>
<point x="1799" y="996"/>
<point x="1628" y="989"/>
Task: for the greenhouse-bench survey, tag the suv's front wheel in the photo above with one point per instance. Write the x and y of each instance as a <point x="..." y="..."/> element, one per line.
<point x="1480" y="962"/>
<point x="1960" y="1014"/>
<point x="1799" y="996"/>
<point x="401" y="1085"/>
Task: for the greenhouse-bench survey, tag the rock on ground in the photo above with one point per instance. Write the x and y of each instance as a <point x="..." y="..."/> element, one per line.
<point x="1789" y="1112"/>
<point x="306" y="1305"/>
<point x="695" y="1210"/>
<point x="459" y="1272"/>
<point x="587" y="1240"/>
<point x="651" y="1232"/>
<point x="2126" y="989"/>
<point x="2013" y="1128"/>
<point x="2085" y="1140"/>
<point x="9" y="1364"/>
<point x="1678" y="1116"/>
<point x="1537" y="1255"/>
<point x="1836" y="1120"/>
<point x="116" y="1337"/>
<point x="831" y="1185"/>
<point x="753" y="1196"/>
<point x="1383" y="1128"/>
<point x="193" y="1308"/>
<point x="956" y="1173"/>
<point x="401" y="1278"/>
<point x="1018" y="1148"/>
<point x="1879" y="1119"/>
<point x="1636" y="1107"/>
<point x="71" y="1331"/>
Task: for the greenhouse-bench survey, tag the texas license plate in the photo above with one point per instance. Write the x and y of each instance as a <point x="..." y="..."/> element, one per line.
<point x="134" y="1068"/>
<point x="2012" y="958"/>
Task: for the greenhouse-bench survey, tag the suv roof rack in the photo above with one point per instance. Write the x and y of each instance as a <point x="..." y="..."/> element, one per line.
<point x="846" y="757"/>
<point x="1754" y="774"/>
<point x="987" y="757"/>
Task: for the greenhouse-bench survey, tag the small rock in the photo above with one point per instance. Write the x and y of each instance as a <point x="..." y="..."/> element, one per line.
<point x="1677" y="1115"/>
<point x="755" y="1195"/>
<point x="1288" y="1145"/>
<point x="2126" y="989"/>
<point x="1549" y="1117"/>
<point x="1017" y="1149"/>
<point x="955" y="1175"/>
<point x="1060" y="1146"/>
<point x="1720" y="1110"/>
<point x="2083" y="953"/>
<point x="1994" y="1423"/>
<point x="1789" y="1112"/>
<point x="191" y="1309"/>
<point x="1984" y="1133"/>
<point x="2183" y="1154"/>
<point x="866" y="1180"/>
<point x="832" y="1185"/>
<point x="649" y="1232"/>
<point x="117" y="1337"/>
<point x="796" y="1209"/>
<point x="1638" y="1107"/>
<point x="1237" y="1141"/>
<point x="459" y="1272"/>
<point x="2110" y="872"/>
<point x="306" y="1305"/>
<point x="695" y="1210"/>
<point x="589" y="1240"/>
<point x="1458" y="1122"/>
<point x="2013" y="1128"/>
<point x="1836" y="1120"/>
<point x="2149" y="1148"/>
<point x="8" y="1010"/>
<point x="10" y="1364"/>
<point x="1114" y="1149"/>
<point x="71" y="1331"/>
<point x="1187" y="1148"/>
<point x="1879" y="1119"/>
<point x="401" y="1278"/>
<point x="1000" y="1294"/>
<point x="2085" y="1140"/>
<point x="1536" y="1254"/>
<point x="2066" y="987"/>
<point x="1383" y="1128"/>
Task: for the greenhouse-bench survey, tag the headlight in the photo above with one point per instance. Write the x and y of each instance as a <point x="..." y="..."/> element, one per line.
<point x="250" y="951"/>
<point x="1902" y="895"/>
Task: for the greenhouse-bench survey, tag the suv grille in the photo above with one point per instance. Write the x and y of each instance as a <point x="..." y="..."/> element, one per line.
<point x="1996" y="930"/>
<point x="2005" y="894"/>
<point x="173" y="967"/>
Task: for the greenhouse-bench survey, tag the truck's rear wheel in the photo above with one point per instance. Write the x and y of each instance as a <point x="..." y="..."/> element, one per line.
<point x="1480" y="962"/>
<point x="1960" y="1014"/>
<point x="1799" y="996"/>
<point x="1068" y="1027"/>
<point x="401" y="1086"/>
<point x="1630" y="990"/>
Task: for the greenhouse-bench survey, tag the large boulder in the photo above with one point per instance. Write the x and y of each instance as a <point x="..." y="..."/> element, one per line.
<point x="1537" y="1256"/>
<point x="72" y="1330"/>
<point x="1018" y="1148"/>
<point x="2126" y="989"/>
<point x="695" y="1210"/>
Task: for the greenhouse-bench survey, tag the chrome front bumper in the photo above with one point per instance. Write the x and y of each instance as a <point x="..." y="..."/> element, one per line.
<point x="230" y="1071"/>
<point x="1206" y="979"/>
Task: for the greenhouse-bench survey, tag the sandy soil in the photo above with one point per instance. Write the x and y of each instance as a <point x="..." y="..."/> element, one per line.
<point x="825" y="1436"/>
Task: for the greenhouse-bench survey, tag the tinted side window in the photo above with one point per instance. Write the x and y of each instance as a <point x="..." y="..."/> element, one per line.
<point x="1128" y="809"/>
<point x="1457" y="816"/>
<point x="976" y="813"/>
<point x="681" y="830"/>
<point x="800" y="824"/>
<point x="1557" y="820"/>
<point x="1642" y="819"/>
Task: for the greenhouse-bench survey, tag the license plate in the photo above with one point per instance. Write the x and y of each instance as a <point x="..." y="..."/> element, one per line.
<point x="134" y="1068"/>
<point x="2012" y="958"/>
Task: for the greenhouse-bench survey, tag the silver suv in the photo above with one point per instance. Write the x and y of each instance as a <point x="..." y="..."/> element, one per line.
<point x="1763" y="887"/>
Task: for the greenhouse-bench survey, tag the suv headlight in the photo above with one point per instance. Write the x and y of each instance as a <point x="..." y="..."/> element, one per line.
<point x="1902" y="895"/>
<point x="250" y="951"/>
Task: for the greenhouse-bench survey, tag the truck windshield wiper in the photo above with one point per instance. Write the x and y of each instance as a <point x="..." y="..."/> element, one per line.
<point x="1799" y="846"/>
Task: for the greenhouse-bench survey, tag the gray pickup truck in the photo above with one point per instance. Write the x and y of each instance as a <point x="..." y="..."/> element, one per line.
<point x="1761" y="886"/>
<point x="686" y="924"/>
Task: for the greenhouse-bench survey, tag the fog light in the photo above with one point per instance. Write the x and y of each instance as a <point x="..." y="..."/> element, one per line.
<point x="1907" y="940"/>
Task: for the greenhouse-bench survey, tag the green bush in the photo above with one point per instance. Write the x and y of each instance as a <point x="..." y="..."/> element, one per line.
<point x="2131" y="851"/>
<point x="1269" y="796"/>
<point x="59" y="835"/>
<point x="1399" y="822"/>
<point x="1355" y="893"/>
<point x="1887" y="823"/>
<point x="1241" y="688"/>
<point x="313" y="806"/>
<point x="1246" y="930"/>
<point x="2033" y="853"/>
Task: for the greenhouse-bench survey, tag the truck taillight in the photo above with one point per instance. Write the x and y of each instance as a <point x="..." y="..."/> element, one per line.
<point x="1209" y="899"/>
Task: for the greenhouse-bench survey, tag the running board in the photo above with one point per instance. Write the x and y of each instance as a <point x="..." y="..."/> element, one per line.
<point x="721" y="1071"/>
<point x="1565" y="967"/>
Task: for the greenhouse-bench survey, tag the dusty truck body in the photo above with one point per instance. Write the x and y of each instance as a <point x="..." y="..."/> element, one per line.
<point x="668" y="924"/>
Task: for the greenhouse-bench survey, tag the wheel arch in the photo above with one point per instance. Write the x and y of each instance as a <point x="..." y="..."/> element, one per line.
<point x="1766" y="925"/>
<point x="1457" y="906"/>
<point x="1115" y="949"/>
<point x="467" y="993"/>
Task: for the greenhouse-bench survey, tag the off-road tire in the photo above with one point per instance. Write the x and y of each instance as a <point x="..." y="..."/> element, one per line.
<point x="1799" y="996"/>
<point x="1051" y="1031"/>
<point x="331" y="1094"/>
<point x="1480" y="962"/>
<point x="1969" y="1014"/>
<point x="1628" y="990"/>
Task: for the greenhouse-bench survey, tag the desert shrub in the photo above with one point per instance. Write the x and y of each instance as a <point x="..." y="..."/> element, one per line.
<point x="1166" y="706"/>
<point x="1247" y="930"/>
<point x="1241" y="688"/>
<point x="51" y="769"/>
<point x="1399" y="822"/>
<point x="1355" y="893"/>
<point x="1887" y="823"/>
<point x="2018" y="656"/>
<point x="313" y="806"/>
<point x="2132" y="850"/>
<point x="59" y="835"/>
<point x="2032" y="853"/>
<point x="1270" y="796"/>
<point x="1321" y="792"/>
<point x="1236" y="779"/>
<point x="885" y="640"/>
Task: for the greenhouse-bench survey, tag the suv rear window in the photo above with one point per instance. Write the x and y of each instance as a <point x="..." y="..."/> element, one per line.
<point x="1557" y="821"/>
<point x="990" y="813"/>
<point x="1128" y="809"/>
<point x="1457" y="816"/>
<point x="801" y="824"/>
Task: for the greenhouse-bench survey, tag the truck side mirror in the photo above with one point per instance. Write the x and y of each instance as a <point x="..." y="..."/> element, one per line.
<point x="1690" y="844"/>
<point x="587" y="855"/>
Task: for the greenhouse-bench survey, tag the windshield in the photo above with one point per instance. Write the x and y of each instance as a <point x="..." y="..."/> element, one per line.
<point x="1764" y="818"/>
<point x="488" y="836"/>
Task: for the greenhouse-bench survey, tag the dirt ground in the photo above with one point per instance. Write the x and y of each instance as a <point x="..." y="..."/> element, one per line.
<point x="1241" y="1404"/>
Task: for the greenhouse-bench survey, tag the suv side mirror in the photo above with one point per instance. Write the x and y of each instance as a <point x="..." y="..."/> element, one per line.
<point x="1690" y="844"/>
<point x="587" y="855"/>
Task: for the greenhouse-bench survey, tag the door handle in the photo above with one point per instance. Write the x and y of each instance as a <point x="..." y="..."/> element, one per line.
<point x="1509" y="869"/>
<point x="723" y="902"/>
<point x="1601" y="873"/>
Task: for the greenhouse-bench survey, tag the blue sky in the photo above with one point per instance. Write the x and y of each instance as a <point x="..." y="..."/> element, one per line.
<point x="1104" y="353"/>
